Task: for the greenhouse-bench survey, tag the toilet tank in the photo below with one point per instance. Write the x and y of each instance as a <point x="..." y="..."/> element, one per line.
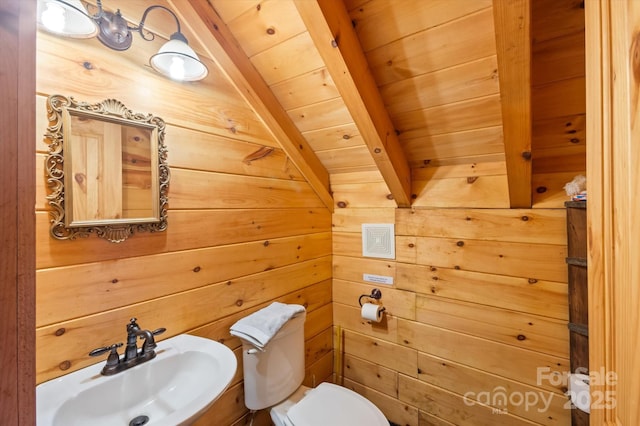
<point x="271" y="376"/>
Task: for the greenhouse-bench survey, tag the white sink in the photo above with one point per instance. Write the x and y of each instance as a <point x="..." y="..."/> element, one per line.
<point x="188" y="374"/>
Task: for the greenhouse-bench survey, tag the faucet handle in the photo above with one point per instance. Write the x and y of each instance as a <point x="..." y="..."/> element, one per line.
<point x="154" y="333"/>
<point x="105" y="349"/>
<point x="113" y="359"/>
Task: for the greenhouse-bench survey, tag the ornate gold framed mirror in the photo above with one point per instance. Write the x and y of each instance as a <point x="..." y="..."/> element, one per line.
<point x="107" y="170"/>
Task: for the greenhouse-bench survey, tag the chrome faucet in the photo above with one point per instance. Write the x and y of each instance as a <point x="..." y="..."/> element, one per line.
<point x="131" y="356"/>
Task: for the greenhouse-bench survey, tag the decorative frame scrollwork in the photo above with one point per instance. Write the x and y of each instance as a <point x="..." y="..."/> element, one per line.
<point x="114" y="230"/>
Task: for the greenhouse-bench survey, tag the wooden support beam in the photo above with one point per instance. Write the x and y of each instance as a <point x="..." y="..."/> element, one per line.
<point x="219" y="44"/>
<point x="513" y="44"/>
<point x="17" y="215"/>
<point x="330" y="27"/>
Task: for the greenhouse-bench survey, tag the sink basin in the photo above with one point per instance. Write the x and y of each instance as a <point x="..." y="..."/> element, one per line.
<point x="188" y="374"/>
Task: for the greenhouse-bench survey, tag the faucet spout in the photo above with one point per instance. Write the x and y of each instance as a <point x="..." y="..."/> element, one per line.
<point x="149" y="343"/>
<point x="131" y="356"/>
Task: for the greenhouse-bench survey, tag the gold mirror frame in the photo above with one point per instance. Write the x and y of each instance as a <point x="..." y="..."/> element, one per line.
<point x="60" y="109"/>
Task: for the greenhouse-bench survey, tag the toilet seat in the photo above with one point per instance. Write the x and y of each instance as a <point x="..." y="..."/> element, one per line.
<point x="330" y="404"/>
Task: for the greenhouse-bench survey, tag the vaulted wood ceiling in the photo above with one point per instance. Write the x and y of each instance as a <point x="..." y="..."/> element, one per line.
<point x="417" y="90"/>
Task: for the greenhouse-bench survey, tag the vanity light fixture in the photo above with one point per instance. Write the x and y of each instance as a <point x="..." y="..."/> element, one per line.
<point x="69" y="18"/>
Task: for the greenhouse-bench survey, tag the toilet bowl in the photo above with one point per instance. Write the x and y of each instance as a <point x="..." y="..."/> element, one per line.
<point x="273" y="379"/>
<point x="327" y="404"/>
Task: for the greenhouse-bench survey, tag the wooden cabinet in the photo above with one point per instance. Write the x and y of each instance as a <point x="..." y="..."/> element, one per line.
<point x="578" y="302"/>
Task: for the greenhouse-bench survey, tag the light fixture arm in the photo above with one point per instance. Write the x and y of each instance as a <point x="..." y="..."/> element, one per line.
<point x="99" y="14"/>
<point x="140" y="26"/>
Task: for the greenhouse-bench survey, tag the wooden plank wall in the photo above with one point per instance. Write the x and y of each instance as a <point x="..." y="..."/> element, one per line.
<point x="478" y="305"/>
<point x="558" y="97"/>
<point x="240" y="233"/>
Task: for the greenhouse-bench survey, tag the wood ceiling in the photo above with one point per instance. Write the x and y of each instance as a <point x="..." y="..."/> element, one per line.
<point x="420" y="91"/>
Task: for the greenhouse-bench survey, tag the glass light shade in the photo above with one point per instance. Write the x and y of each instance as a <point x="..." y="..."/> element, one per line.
<point x="67" y="18"/>
<point x="178" y="61"/>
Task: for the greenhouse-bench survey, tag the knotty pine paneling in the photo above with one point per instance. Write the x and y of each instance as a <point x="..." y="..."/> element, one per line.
<point x="478" y="304"/>
<point x="321" y="115"/>
<point x="241" y="233"/>
<point x="548" y="189"/>
<point x="374" y="193"/>
<point x="263" y="26"/>
<point x="343" y="136"/>
<point x="375" y="27"/>
<point x="498" y="358"/>
<point x="391" y="355"/>
<point x="448" y="405"/>
<point x="558" y="96"/>
<point x="291" y="58"/>
<point x="344" y="160"/>
<point x="351" y="220"/>
<point x="401" y="412"/>
<point x="471" y="80"/>
<point x="448" y="169"/>
<point x="533" y="332"/>
<point x="351" y="268"/>
<point x="547" y="298"/>
<point x="435" y="149"/>
<point x="454" y="117"/>
<point x="453" y="43"/>
<point x="526" y="260"/>
<point x="559" y="132"/>
<point x="549" y="408"/>
<point x="371" y="375"/>
<point x="472" y="191"/>
<point x="559" y="99"/>
<point x="223" y="226"/>
<point x="523" y="225"/>
<point x="100" y="286"/>
<point x="312" y="87"/>
<point x="233" y="191"/>
<point x="558" y="58"/>
<point x="230" y="10"/>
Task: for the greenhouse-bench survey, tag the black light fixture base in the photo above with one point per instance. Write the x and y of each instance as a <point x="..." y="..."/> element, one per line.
<point x="114" y="32"/>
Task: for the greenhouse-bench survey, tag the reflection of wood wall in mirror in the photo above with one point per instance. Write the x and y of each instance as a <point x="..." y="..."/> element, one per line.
<point x="96" y="170"/>
<point x="111" y="176"/>
<point x="137" y="179"/>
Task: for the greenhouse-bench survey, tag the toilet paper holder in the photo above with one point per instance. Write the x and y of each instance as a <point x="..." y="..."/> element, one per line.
<point x="376" y="294"/>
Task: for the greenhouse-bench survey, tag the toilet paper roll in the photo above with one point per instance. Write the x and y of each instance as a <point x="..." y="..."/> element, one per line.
<point x="372" y="312"/>
<point x="579" y="391"/>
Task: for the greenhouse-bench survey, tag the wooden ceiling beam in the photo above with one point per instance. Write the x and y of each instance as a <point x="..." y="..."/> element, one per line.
<point x="512" y="20"/>
<point x="330" y="27"/>
<point x="219" y="44"/>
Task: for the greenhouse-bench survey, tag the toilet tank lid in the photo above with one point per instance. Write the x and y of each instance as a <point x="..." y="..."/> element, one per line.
<point x="330" y="404"/>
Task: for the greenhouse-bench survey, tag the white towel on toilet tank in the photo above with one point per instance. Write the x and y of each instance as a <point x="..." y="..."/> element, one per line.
<point x="259" y="327"/>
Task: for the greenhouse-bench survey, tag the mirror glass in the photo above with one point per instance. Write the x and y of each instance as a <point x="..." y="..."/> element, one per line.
<point x="106" y="170"/>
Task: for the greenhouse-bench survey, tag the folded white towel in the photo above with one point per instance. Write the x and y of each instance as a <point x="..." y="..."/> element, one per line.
<point x="259" y="327"/>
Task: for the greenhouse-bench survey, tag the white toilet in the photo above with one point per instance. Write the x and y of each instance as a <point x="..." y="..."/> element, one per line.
<point x="273" y="378"/>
